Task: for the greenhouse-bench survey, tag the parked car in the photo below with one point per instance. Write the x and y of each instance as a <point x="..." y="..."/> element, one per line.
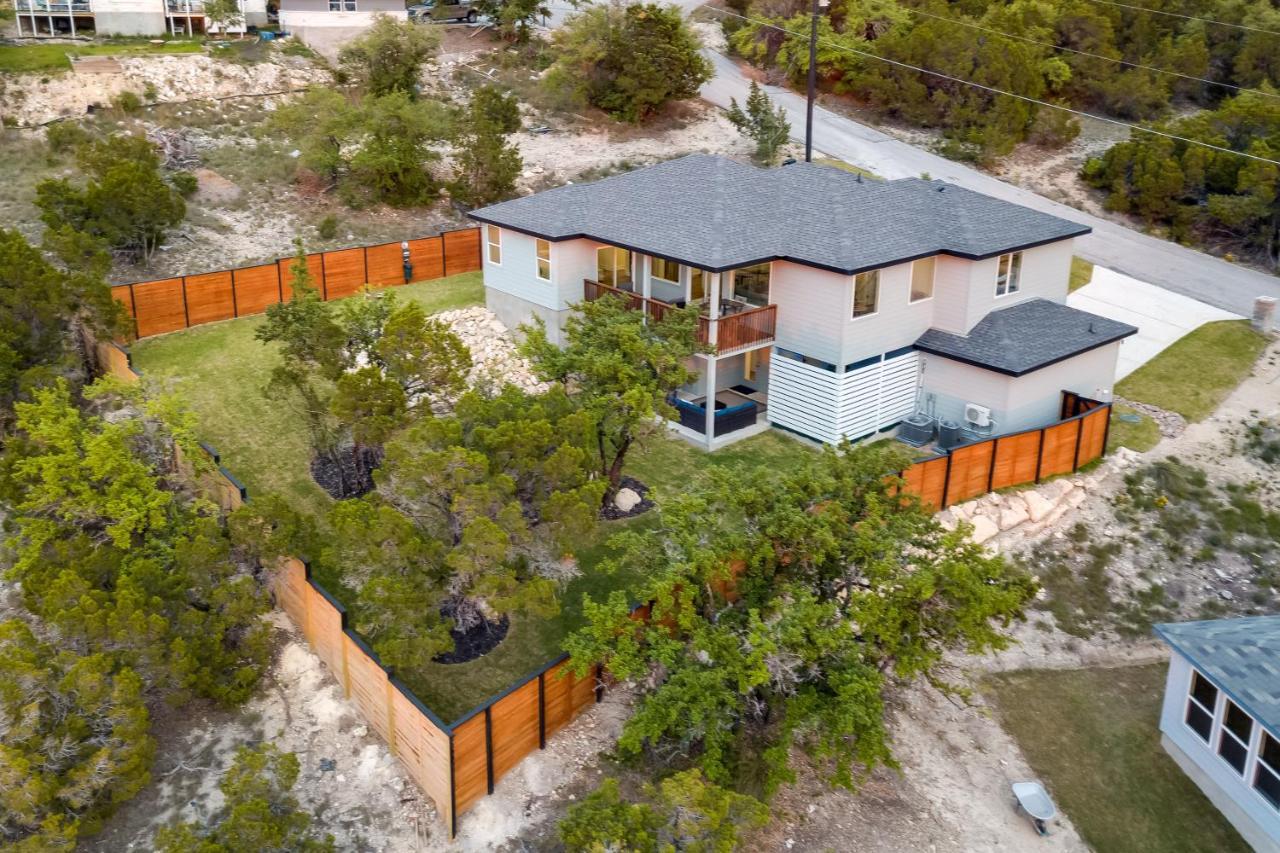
<point x="446" y="11"/>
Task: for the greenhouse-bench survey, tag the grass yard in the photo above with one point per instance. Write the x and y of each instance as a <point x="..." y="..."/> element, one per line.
<point x="1081" y="274"/>
<point x="1198" y="371"/>
<point x="1092" y="737"/>
<point x="221" y="371"/>
<point x="1140" y="435"/>
<point x="33" y="58"/>
<point x="848" y="167"/>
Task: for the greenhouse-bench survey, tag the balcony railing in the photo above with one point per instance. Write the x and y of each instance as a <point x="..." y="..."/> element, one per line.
<point x="185" y="7"/>
<point x="51" y="7"/>
<point x="738" y="331"/>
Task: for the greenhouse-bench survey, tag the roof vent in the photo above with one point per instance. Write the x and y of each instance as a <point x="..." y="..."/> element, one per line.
<point x="942" y="188"/>
<point x="790" y="161"/>
<point x="1091" y="327"/>
<point x="859" y="177"/>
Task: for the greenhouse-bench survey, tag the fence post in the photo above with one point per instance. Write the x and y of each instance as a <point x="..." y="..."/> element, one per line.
<point x="453" y="790"/>
<point x="133" y="305"/>
<point x="186" y="314"/>
<point x="391" y="711"/>
<point x="1106" y="431"/>
<point x="364" y="253"/>
<point x="488" y="744"/>
<point x="444" y="255"/>
<point x="324" y="280"/>
<point x="1040" y="455"/>
<point x="991" y="472"/>
<point x="235" y="303"/>
<point x="946" y="484"/>
<point x="542" y="710"/>
<point x="279" y="281"/>
<point x="1075" y="458"/>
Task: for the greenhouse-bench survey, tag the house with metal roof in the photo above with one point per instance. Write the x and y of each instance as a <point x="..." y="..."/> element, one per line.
<point x="835" y="306"/>
<point x="1221" y="718"/>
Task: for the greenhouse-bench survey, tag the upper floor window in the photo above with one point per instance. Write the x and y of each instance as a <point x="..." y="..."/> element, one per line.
<point x="342" y="5"/>
<point x="866" y="293"/>
<point x="493" y="236"/>
<point x="751" y="284"/>
<point x="613" y="267"/>
<point x="1009" y="273"/>
<point x="543" y="248"/>
<point x="1266" y="780"/>
<point x="922" y="271"/>
<point x="1237" y="730"/>
<point x="666" y="270"/>
<point x="1200" y="706"/>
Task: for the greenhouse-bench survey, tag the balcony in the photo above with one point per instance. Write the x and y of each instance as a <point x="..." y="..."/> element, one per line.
<point x="737" y="330"/>
<point x="52" y="7"/>
<point x="185" y="7"/>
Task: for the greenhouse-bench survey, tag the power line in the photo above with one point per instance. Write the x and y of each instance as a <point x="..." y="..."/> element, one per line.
<point x="1052" y="46"/>
<point x="1187" y="17"/>
<point x="996" y="91"/>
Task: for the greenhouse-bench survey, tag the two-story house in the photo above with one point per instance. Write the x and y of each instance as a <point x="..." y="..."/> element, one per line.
<point x="836" y="306"/>
<point x="125" y="17"/>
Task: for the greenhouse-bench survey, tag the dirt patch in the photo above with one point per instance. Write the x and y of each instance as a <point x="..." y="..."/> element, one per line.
<point x="474" y="642"/>
<point x="214" y="189"/>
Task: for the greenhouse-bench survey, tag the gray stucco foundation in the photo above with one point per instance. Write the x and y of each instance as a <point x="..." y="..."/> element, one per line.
<point x="512" y="311"/>
<point x="129" y="23"/>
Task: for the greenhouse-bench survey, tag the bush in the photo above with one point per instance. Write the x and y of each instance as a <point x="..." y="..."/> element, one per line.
<point x="328" y="227"/>
<point x="185" y="183"/>
<point x="388" y="57"/>
<point x="629" y="61"/>
<point x="64" y="136"/>
<point x="127" y="102"/>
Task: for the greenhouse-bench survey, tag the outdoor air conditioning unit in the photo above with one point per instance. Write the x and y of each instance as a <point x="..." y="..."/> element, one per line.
<point x="977" y="416"/>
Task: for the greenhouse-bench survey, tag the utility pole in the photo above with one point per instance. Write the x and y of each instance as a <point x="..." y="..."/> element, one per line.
<point x="818" y="6"/>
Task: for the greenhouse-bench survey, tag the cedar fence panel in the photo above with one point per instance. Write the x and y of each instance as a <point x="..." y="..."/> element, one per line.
<point x="327" y="620"/>
<point x="210" y="297"/>
<point x="1016" y="457"/>
<point x="970" y="471"/>
<point x="427" y="257"/>
<point x="470" y="762"/>
<point x="515" y="727"/>
<point x="461" y="251"/>
<point x="160" y="307"/>
<point x="1093" y="438"/>
<point x="369" y="686"/>
<point x="384" y="264"/>
<point x="170" y="304"/>
<point x="344" y="273"/>
<point x="927" y="480"/>
<point x="256" y="288"/>
<point x="423" y="747"/>
<point x="1058" y="456"/>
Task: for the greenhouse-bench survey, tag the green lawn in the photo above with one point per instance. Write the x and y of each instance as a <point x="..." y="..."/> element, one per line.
<point x="1092" y="737"/>
<point x="1198" y="371"/>
<point x="848" y="167"/>
<point x="1140" y="436"/>
<point x="221" y="371"/>
<point x="32" y="58"/>
<point x="1081" y="273"/>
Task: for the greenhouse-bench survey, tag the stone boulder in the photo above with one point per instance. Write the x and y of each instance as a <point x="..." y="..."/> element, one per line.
<point x="626" y="500"/>
<point x="983" y="529"/>
<point x="1038" y="506"/>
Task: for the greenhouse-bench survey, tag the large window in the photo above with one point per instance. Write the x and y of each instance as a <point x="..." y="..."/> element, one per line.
<point x="751" y="284"/>
<point x="1009" y="274"/>
<point x="1200" y="705"/>
<point x="866" y="293"/>
<point x="665" y="270"/>
<point x="922" y="272"/>
<point x="697" y="285"/>
<point x="493" y="236"/>
<point x="1266" y="780"/>
<point x="543" y="248"/>
<point x="1233" y="743"/>
<point x="613" y="267"/>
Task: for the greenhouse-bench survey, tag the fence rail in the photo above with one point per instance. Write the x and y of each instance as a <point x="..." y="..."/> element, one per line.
<point x="1015" y="459"/>
<point x="171" y="304"/>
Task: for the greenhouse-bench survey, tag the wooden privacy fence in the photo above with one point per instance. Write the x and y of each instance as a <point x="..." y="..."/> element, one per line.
<point x="170" y="304"/>
<point x="1015" y="459"/>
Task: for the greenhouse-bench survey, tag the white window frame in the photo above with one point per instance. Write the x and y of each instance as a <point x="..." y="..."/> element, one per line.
<point x="491" y="244"/>
<point x="933" y="281"/>
<point x="1223" y="732"/>
<point x="1259" y="764"/>
<point x="1014" y="276"/>
<point x="853" y="294"/>
<point x="342" y="5"/>
<point x="680" y="268"/>
<point x="538" y="260"/>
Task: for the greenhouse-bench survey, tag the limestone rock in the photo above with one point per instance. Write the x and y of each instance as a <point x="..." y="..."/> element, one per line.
<point x="1038" y="506"/>
<point x="1013" y="515"/>
<point x="983" y="529"/>
<point x="626" y="499"/>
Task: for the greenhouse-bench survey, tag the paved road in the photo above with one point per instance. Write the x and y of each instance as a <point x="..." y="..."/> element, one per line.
<point x="1185" y="271"/>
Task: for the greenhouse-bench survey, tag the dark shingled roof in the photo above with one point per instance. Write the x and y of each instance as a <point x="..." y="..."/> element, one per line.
<point x="717" y="214"/>
<point x="1240" y="656"/>
<point x="1026" y="337"/>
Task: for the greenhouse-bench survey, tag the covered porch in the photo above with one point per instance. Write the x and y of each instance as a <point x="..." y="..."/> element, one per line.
<point x="740" y="400"/>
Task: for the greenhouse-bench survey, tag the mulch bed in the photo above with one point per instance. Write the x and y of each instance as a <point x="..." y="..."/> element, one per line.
<point x="479" y="641"/>
<point x="612" y="513"/>
<point x="345" y="477"/>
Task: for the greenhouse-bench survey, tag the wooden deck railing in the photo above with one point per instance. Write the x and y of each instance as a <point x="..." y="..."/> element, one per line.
<point x="734" y="331"/>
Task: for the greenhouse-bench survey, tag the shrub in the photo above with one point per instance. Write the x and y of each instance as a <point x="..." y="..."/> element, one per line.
<point x="328" y="227"/>
<point x="127" y="102"/>
<point x="64" y="136"/>
<point x="185" y="183"/>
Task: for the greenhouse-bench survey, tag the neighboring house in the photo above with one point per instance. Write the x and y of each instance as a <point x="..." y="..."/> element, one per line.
<point x="125" y="17"/>
<point x="1221" y="718"/>
<point x="837" y="306"/>
<point x="329" y="22"/>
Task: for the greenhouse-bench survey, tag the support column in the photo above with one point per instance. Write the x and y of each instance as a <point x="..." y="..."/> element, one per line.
<point x="709" y="375"/>
<point x="713" y="312"/>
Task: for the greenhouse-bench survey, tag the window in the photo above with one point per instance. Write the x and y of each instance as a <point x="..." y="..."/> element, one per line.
<point x="1009" y="274"/>
<point x="1233" y="743"/>
<point x="1204" y="696"/>
<point x="866" y="293"/>
<point x="1266" y="780"/>
<point x="751" y="284"/>
<point x="493" y="234"/>
<point x="613" y="267"/>
<point x="342" y="5"/>
<point x="665" y="270"/>
<point x="543" y="248"/>
<point x="922" y="279"/>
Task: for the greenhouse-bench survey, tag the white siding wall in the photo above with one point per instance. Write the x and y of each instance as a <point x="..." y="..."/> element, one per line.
<point x="1251" y="815"/>
<point x="517" y="273"/>
<point x="813" y="308"/>
<point x="1046" y="273"/>
<point x="951" y="295"/>
<point x="897" y="322"/>
<point x="829" y="406"/>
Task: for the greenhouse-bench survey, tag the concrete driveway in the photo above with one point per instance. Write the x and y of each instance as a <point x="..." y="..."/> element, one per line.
<point x="1161" y="316"/>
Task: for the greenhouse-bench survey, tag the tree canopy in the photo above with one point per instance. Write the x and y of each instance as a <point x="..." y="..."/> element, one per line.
<point x="487" y="163"/>
<point x="628" y="60"/>
<point x="783" y="610"/>
<point x="388" y="56"/>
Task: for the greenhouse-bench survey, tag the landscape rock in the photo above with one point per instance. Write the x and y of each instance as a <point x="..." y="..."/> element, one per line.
<point x="1013" y="515"/>
<point x="1038" y="506"/>
<point x="983" y="529"/>
<point x="626" y="499"/>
